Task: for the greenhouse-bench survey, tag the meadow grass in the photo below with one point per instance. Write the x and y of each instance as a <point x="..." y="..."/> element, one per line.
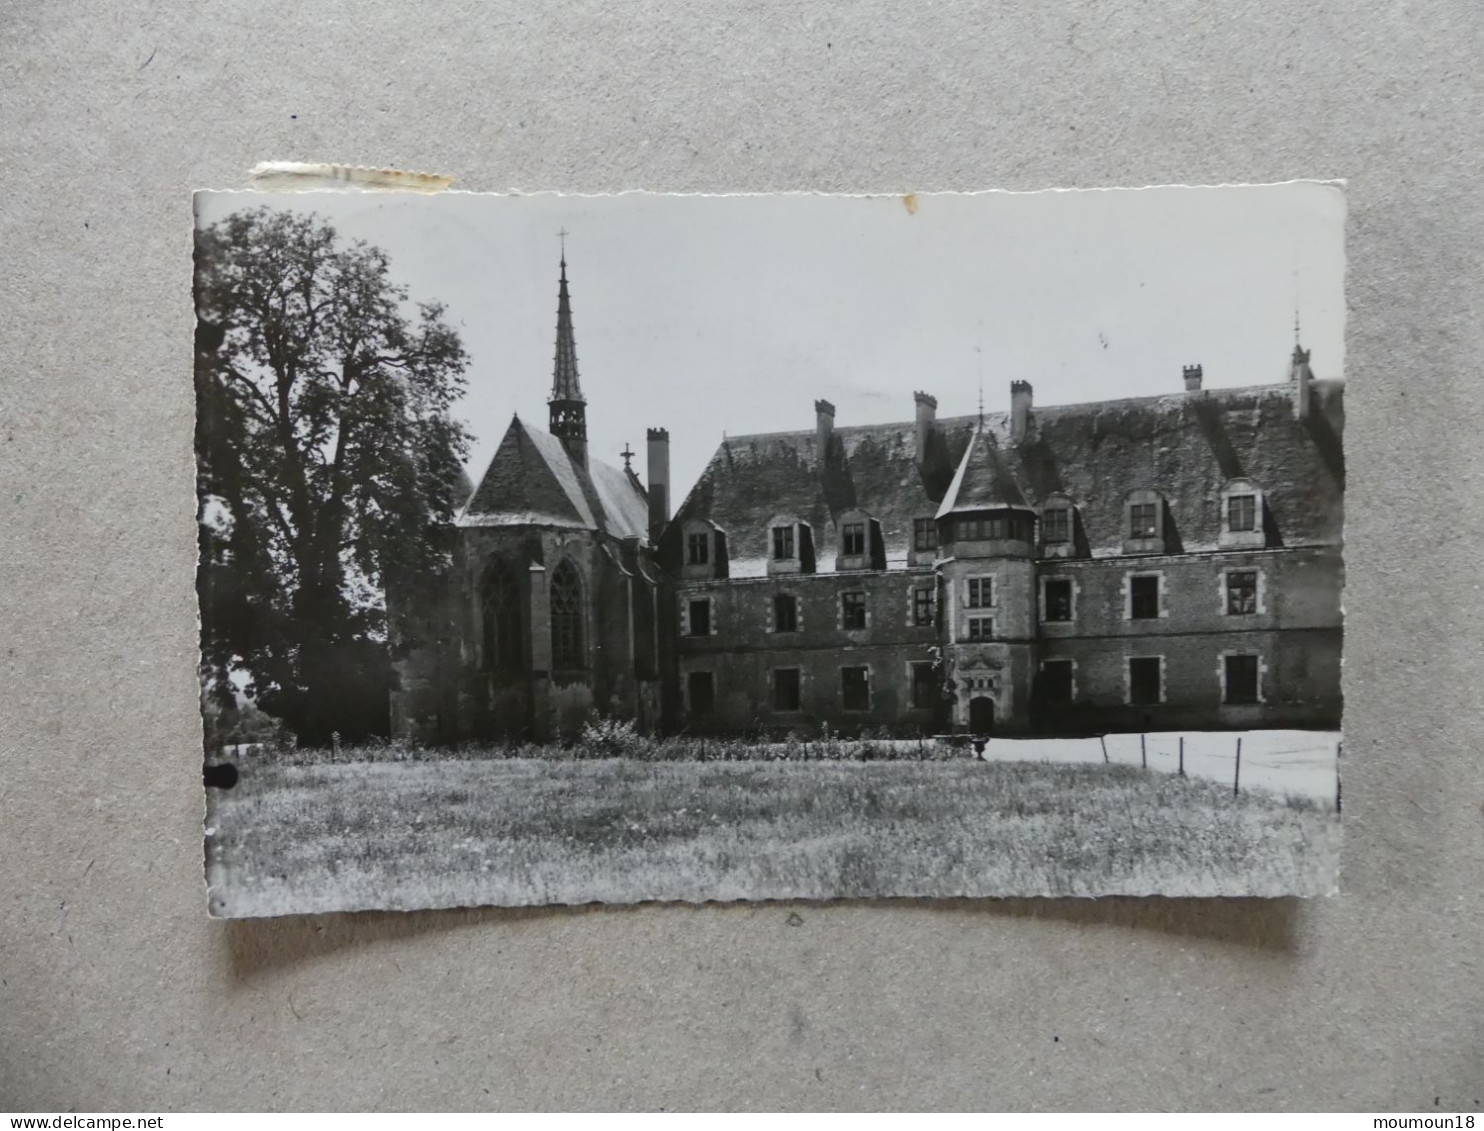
<point x="295" y="838"/>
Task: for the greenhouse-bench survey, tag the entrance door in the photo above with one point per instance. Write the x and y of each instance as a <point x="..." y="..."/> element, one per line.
<point x="981" y="715"/>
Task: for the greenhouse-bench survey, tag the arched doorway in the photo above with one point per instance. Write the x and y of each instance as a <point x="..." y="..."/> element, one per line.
<point x="981" y="715"/>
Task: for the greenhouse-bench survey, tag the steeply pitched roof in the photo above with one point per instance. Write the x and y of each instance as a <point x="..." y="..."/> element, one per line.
<point x="564" y="383"/>
<point x="1185" y="445"/>
<point x="532" y="481"/>
<point x="982" y="481"/>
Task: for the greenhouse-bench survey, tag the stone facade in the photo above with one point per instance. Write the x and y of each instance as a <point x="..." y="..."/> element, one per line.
<point x="1159" y="563"/>
<point x="1162" y="563"/>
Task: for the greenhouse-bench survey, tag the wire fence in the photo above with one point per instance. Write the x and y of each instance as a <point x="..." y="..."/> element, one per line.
<point x="1295" y="763"/>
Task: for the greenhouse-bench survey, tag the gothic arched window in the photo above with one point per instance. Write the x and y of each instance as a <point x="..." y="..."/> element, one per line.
<point x="566" y="618"/>
<point x="500" y="604"/>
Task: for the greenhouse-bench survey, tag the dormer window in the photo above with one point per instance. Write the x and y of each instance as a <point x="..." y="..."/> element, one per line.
<point x="924" y="534"/>
<point x="783" y="543"/>
<point x="1056" y="525"/>
<point x="853" y="539"/>
<point x="703" y="550"/>
<point x="861" y="544"/>
<point x="788" y="545"/>
<point x="698" y="549"/>
<point x="1242" y="515"/>
<point x="1143" y="520"/>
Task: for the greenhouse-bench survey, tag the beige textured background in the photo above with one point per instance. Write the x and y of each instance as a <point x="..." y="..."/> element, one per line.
<point x="116" y="992"/>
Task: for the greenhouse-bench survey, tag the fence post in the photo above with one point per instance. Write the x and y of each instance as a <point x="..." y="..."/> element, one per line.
<point x="1103" y="742"/>
<point x="1237" y="777"/>
<point x="1143" y="754"/>
<point x="1182" y="755"/>
<point x="1339" y="749"/>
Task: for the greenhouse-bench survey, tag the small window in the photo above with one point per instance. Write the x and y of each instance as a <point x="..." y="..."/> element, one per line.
<point x="701" y="690"/>
<point x="924" y="687"/>
<point x="1143" y="520"/>
<point x="783" y="543"/>
<point x="1056" y="525"/>
<point x="853" y="610"/>
<point x="981" y="593"/>
<point x="1144" y="597"/>
<point x="1058" y="599"/>
<point x="853" y="539"/>
<point x="855" y="689"/>
<point x="1056" y="682"/>
<point x="786" y="689"/>
<point x="1144" y="680"/>
<point x="785" y="613"/>
<point x="922" y="605"/>
<point x="1241" y="513"/>
<point x="1241" y="679"/>
<point x="970" y="529"/>
<point x="981" y="628"/>
<point x="700" y="617"/>
<point x="924" y="534"/>
<point x="1241" y="593"/>
<point x="698" y="549"/>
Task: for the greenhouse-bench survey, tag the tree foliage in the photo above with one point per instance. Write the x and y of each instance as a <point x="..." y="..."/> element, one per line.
<point x="328" y="462"/>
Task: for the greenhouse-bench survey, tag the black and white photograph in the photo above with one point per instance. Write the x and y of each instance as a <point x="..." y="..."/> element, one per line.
<point x="565" y="549"/>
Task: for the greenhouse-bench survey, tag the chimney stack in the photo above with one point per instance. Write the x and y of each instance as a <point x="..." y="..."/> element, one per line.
<point x="659" y="481"/>
<point x="824" y="429"/>
<point x="1192" y="378"/>
<point x="927" y="416"/>
<point x="1303" y="378"/>
<point x="1020" y="410"/>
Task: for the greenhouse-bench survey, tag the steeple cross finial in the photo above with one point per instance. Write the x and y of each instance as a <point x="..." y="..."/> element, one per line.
<point x="980" y="353"/>
<point x="562" y="235"/>
<point x="627" y="455"/>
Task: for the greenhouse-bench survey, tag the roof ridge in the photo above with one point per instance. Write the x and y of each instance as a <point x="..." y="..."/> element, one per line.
<point x="1268" y="387"/>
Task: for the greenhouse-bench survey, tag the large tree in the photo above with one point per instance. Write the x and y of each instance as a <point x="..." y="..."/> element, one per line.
<point x="328" y="463"/>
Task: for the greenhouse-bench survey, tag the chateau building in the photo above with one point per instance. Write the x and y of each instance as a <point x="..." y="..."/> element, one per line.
<point x="1151" y="563"/>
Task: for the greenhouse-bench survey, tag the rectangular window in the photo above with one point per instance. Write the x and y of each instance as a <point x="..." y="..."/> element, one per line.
<point x="1241" y="679"/>
<point x="853" y="610"/>
<point x="1143" y="594"/>
<point x="1143" y="680"/>
<point x="699" y="549"/>
<point x="1241" y="593"/>
<point x="1058" y="599"/>
<point x="1241" y="513"/>
<point x="701" y="690"/>
<point x="783" y="543"/>
<point x="981" y="628"/>
<point x="922" y="605"/>
<point x="786" y="689"/>
<point x="855" y="689"/>
<point x="853" y="539"/>
<point x="700" y="617"/>
<point x="1056" y="682"/>
<point x="970" y="529"/>
<point x="924" y="687"/>
<point x="981" y="593"/>
<point x="924" y="534"/>
<point x="1143" y="520"/>
<point x="1056" y="525"/>
<point x="785" y="613"/>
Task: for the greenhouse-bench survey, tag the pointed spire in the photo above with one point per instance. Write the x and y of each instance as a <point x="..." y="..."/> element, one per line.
<point x="564" y="382"/>
<point x="568" y="408"/>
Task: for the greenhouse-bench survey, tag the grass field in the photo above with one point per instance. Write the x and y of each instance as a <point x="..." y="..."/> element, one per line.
<point x="345" y="836"/>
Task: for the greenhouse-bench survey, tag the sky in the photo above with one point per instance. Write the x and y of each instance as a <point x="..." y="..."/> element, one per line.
<point x="712" y="315"/>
